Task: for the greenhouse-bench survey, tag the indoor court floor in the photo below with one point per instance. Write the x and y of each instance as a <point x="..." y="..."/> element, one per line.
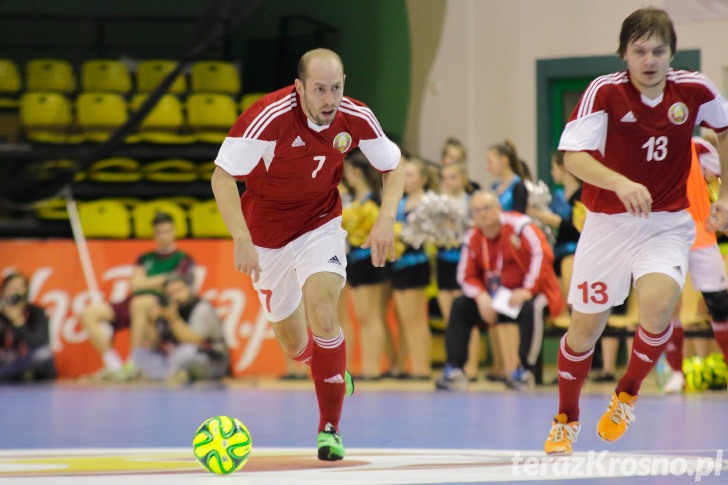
<point x="396" y="433"/>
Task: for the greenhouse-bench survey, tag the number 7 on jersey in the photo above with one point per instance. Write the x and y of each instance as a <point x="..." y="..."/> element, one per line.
<point x="320" y="159"/>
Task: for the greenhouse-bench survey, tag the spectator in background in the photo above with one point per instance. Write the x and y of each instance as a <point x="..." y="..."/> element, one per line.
<point x="368" y="284"/>
<point x="453" y="152"/>
<point x="560" y="213"/>
<point x="183" y="340"/>
<point x="411" y="275"/>
<point x="503" y="163"/>
<point x="150" y="273"/>
<point x="25" y="352"/>
<point x="505" y="253"/>
<point x="454" y="182"/>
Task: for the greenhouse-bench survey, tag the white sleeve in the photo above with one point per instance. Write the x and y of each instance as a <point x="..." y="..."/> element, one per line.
<point x="381" y="152"/>
<point x="709" y="159"/>
<point x="714" y="114"/>
<point x="239" y="156"/>
<point x="586" y="133"/>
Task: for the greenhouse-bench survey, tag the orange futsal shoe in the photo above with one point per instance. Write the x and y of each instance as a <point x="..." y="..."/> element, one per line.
<point x="562" y="437"/>
<point x="618" y="417"/>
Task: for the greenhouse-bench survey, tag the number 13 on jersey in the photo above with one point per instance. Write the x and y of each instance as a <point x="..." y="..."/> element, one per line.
<point x="594" y="292"/>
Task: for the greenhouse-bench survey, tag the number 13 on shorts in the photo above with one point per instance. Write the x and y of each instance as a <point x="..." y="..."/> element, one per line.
<point x="595" y="292"/>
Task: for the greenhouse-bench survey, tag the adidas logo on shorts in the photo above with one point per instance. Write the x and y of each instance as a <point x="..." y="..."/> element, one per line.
<point x="335" y="260"/>
<point x="298" y="142"/>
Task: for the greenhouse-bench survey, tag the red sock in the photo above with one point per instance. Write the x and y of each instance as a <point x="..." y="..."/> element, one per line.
<point x="646" y="349"/>
<point x="327" y="369"/>
<point x="720" y="331"/>
<point x="674" y="349"/>
<point x="305" y="356"/>
<point x="573" y="368"/>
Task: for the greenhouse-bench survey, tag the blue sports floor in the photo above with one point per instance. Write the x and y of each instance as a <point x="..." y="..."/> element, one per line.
<point x="396" y="433"/>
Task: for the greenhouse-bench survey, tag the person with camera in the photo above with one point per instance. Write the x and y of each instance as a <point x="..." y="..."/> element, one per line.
<point x="101" y="320"/>
<point x="25" y="352"/>
<point x="183" y="340"/>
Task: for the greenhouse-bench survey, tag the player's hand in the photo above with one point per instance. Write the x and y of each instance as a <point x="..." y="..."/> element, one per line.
<point x="718" y="220"/>
<point x="246" y="259"/>
<point x="635" y="197"/>
<point x="519" y="296"/>
<point x="381" y="241"/>
<point x="485" y="308"/>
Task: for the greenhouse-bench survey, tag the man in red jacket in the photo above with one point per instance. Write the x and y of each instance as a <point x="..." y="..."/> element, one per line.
<point x="506" y="273"/>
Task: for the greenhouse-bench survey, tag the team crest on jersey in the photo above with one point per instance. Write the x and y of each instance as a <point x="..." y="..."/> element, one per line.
<point x="515" y="241"/>
<point x="342" y="141"/>
<point x="678" y="113"/>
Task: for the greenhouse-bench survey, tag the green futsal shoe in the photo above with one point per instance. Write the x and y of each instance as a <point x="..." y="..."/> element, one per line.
<point x="330" y="447"/>
<point x="349" y="381"/>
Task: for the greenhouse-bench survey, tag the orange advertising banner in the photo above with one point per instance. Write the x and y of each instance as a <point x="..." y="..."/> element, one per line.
<point x="57" y="284"/>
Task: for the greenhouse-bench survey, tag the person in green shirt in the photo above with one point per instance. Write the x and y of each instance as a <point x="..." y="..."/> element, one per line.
<point x="152" y="269"/>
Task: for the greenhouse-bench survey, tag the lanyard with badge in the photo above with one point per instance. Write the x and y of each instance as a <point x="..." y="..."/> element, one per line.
<point x="493" y="276"/>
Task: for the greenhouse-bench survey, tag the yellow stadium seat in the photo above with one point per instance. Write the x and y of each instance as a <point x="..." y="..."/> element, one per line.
<point x="99" y="115"/>
<point x="50" y="75"/>
<point x="206" y="221"/>
<point x="105" y="76"/>
<point x="53" y="209"/>
<point x="171" y="170"/>
<point x="205" y="170"/>
<point x="567" y="270"/>
<point x="215" y="77"/>
<point x="184" y="201"/>
<point x="115" y="170"/>
<point x="144" y="214"/>
<point x="105" y="218"/>
<point x="210" y="116"/>
<point x="47" y="118"/>
<point x="691" y="311"/>
<point x="150" y="74"/>
<point x="164" y="123"/>
<point x="631" y="317"/>
<point x="9" y="83"/>
<point x="247" y="100"/>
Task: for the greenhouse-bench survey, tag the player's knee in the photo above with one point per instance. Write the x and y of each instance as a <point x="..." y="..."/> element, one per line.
<point x="93" y="314"/>
<point x="323" y="318"/>
<point x="717" y="303"/>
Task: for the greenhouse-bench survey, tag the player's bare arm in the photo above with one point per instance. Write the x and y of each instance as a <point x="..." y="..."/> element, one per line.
<point x="635" y="197"/>
<point x="140" y="280"/>
<point x="381" y="237"/>
<point x="719" y="210"/>
<point x="227" y="197"/>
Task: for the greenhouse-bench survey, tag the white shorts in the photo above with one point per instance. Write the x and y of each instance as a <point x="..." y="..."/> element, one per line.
<point x="707" y="269"/>
<point x="616" y="249"/>
<point x="285" y="270"/>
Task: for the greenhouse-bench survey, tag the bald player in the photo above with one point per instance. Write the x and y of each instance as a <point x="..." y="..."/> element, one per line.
<point x="289" y="148"/>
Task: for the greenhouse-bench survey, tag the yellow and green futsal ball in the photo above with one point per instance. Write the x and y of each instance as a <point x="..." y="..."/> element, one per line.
<point x="710" y="372"/>
<point x="222" y="445"/>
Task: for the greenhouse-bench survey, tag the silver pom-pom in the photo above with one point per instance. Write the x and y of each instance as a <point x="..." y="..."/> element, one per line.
<point x="539" y="196"/>
<point x="438" y="219"/>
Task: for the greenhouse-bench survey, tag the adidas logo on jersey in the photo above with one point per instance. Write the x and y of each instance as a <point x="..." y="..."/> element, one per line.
<point x="298" y="142"/>
<point x="629" y="118"/>
<point x="337" y="379"/>
<point x="335" y="260"/>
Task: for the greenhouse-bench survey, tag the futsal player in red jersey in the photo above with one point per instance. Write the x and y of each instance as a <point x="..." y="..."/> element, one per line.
<point x="628" y="139"/>
<point x="289" y="147"/>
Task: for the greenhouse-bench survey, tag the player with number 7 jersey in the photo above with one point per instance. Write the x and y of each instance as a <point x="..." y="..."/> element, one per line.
<point x="289" y="147"/>
<point x="292" y="166"/>
<point x="629" y="140"/>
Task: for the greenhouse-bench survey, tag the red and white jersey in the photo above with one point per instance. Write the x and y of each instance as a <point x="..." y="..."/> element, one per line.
<point x="647" y="140"/>
<point x="292" y="167"/>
